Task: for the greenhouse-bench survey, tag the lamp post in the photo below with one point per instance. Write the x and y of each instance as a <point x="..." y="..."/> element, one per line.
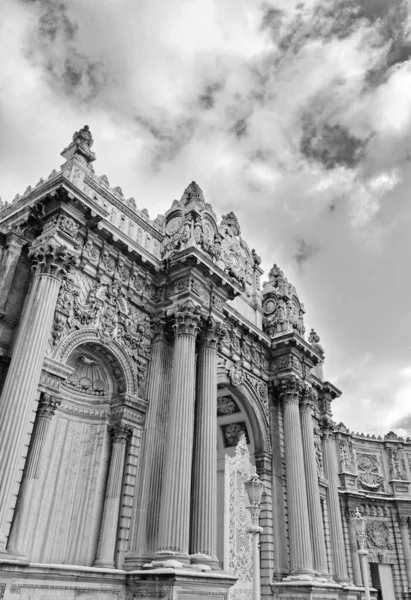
<point x="255" y="487"/>
<point x="360" y="527"/>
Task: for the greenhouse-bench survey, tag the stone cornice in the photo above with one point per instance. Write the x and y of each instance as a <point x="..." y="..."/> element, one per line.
<point x="295" y="340"/>
<point x="193" y="256"/>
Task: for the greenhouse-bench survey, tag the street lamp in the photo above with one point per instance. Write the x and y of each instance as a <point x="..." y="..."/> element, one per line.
<point x="360" y="528"/>
<point x="255" y="487"/>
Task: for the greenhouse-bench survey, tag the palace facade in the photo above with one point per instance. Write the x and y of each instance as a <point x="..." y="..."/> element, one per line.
<point x="146" y="372"/>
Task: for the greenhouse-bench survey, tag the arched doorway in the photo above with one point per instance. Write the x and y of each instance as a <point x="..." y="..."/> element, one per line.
<point x="235" y="463"/>
<point x="68" y="504"/>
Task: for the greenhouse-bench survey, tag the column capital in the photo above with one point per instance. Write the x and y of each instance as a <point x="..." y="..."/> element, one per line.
<point x="52" y="259"/>
<point x="289" y="389"/>
<point x="120" y="433"/>
<point x="187" y="317"/>
<point x="328" y="430"/>
<point x="47" y="405"/>
<point x="212" y="332"/>
<point x="403" y="520"/>
<point x="308" y="398"/>
<point x="160" y="326"/>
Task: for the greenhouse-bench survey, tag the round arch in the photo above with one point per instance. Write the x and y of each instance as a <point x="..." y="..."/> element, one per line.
<point x="252" y="408"/>
<point x="79" y="337"/>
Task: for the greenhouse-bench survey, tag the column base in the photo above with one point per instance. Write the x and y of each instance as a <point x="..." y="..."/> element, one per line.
<point x="177" y="584"/>
<point x="301" y="575"/>
<point x="135" y="562"/>
<point x="288" y="590"/>
<point x="104" y="564"/>
<point x="169" y="555"/>
<point x="205" y="559"/>
<point x="13" y="558"/>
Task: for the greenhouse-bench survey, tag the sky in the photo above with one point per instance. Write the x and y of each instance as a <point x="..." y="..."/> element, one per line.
<point x="295" y="115"/>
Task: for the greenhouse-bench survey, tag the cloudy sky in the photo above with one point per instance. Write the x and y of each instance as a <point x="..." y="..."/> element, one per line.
<point x="296" y="115"/>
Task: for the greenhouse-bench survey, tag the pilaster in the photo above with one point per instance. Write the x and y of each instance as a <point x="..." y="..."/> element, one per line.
<point x="108" y="530"/>
<point x="406" y="547"/>
<point x="301" y="559"/>
<point x="20" y="531"/>
<point x="176" y="485"/>
<point x="340" y="573"/>
<point x="17" y="401"/>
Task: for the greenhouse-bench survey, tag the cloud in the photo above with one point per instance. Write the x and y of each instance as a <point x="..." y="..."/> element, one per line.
<point x="294" y="114"/>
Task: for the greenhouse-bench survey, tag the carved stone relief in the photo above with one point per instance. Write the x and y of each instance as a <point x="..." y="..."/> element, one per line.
<point x="369" y="476"/>
<point x="347" y="464"/>
<point x="105" y="308"/>
<point x="378" y="534"/>
<point x="238" y="471"/>
<point x="397" y="464"/>
<point x="226" y="405"/>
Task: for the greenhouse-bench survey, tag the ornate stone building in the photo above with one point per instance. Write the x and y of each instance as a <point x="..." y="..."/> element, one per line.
<point x="145" y="374"/>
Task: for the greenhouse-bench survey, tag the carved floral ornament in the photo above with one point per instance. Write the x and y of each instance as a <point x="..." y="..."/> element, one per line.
<point x="105" y="310"/>
<point x="289" y="389"/>
<point x="48" y="405"/>
<point x="378" y="534"/>
<point x="369" y="472"/>
<point x="51" y="258"/>
<point x="65" y="224"/>
<point x="187" y="318"/>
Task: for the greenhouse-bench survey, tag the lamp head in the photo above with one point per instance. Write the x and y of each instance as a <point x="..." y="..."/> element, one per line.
<point x="254" y="487"/>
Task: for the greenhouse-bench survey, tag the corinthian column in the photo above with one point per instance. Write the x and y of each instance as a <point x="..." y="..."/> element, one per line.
<point x="406" y="548"/>
<point x="298" y="522"/>
<point x="176" y="488"/>
<point x="146" y="509"/>
<point x="204" y="502"/>
<point x="340" y="573"/>
<point x="313" y="492"/>
<point x="17" y="402"/>
<point x="20" y="531"/>
<point x="108" y="530"/>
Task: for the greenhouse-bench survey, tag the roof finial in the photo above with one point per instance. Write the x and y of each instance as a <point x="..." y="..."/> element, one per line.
<point x="80" y="147"/>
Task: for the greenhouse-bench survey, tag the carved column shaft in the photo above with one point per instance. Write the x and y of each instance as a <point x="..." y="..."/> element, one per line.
<point x="176" y="488"/>
<point x="146" y="511"/>
<point x="336" y="529"/>
<point x="313" y="492"/>
<point x="355" y="559"/>
<point x="18" y="396"/>
<point x="19" y="535"/>
<point x="204" y="501"/>
<point x="108" y="531"/>
<point x="405" y="538"/>
<point x="299" y="528"/>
